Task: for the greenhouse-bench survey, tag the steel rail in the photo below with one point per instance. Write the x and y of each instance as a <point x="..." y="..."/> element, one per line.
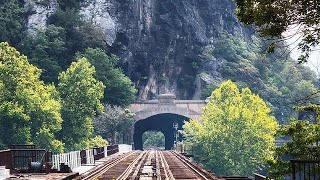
<point x="158" y="173"/>
<point x="101" y="170"/>
<point x="130" y="168"/>
<point x="143" y="159"/>
<point x="166" y="168"/>
<point x="191" y="167"/>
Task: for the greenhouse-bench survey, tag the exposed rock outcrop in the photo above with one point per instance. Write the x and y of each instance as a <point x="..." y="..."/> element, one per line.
<point x="39" y="11"/>
<point x="159" y="41"/>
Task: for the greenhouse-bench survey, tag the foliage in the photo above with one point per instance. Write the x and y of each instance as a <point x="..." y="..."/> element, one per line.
<point x="207" y="91"/>
<point x="119" y="89"/>
<point x="93" y="142"/>
<point x="186" y="81"/>
<point x="304" y="144"/>
<point x="282" y="84"/>
<point x="236" y="136"/>
<point x="10" y="21"/>
<point x="273" y="18"/>
<point x="153" y="139"/>
<point x="114" y="122"/>
<point x="81" y="94"/>
<point x="45" y="50"/>
<point x="29" y="109"/>
<point x="74" y="4"/>
<point x="53" y="48"/>
<point x="79" y="34"/>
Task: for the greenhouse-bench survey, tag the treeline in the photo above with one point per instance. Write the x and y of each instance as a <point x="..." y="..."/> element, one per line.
<point x="66" y="38"/>
<point x="236" y="135"/>
<point x="239" y="128"/>
<point x="58" y="117"/>
<point x="71" y="82"/>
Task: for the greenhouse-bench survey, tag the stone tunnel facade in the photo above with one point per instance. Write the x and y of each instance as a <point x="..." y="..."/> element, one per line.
<point x="161" y="114"/>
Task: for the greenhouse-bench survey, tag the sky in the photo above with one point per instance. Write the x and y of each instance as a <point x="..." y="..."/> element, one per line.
<point x="314" y="59"/>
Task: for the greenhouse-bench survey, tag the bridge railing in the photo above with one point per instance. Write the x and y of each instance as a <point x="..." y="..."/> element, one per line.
<point x="72" y="159"/>
<point x="75" y="159"/>
<point x="19" y="160"/>
<point x="305" y="169"/>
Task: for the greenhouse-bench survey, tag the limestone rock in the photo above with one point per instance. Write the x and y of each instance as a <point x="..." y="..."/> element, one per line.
<point x="39" y="11"/>
<point x="159" y="41"/>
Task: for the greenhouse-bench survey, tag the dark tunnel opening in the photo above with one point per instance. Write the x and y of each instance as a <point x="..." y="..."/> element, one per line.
<point x="166" y="123"/>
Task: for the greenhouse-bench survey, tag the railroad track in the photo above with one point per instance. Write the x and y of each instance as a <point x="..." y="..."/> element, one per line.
<point x="111" y="168"/>
<point x="181" y="168"/>
<point x="149" y="165"/>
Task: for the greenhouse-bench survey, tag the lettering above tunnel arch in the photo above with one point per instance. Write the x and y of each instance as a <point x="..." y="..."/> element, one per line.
<point x="140" y="115"/>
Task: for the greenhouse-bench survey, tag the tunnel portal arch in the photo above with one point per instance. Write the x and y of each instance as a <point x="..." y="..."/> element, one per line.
<point x="161" y="122"/>
<point x="160" y="114"/>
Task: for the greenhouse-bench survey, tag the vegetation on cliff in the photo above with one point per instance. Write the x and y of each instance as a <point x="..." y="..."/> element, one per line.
<point x="279" y="80"/>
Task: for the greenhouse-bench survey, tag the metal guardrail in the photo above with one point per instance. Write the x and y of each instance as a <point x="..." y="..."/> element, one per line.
<point x="259" y="177"/>
<point x="6" y="159"/>
<point x="112" y="149"/>
<point x="75" y="159"/>
<point x="22" y="146"/>
<point x="98" y="153"/>
<point x="305" y="169"/>
<point x="71" y="159"/>
<point x="20" y="159"/>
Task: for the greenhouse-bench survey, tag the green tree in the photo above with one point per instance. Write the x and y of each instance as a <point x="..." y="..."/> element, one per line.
<point x="273" y="18"/>
<point x="29" y="109"/>
<point x="79" y="34"/>
<point x="304" y="145"/>
<point x="81" y="94"/>
<point x="236" y="133"/>
<point x="96" y="141"/>
<point x="153" y="139"/>
<point x="113" y="123"/>
<point x="11" y="21"/>
<point x="46" y="50"/>
<point x="119" y="90"/>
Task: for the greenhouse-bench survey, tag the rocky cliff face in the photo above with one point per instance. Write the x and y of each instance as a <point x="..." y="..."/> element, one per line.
<point x="39" y="11"/>
<point x="159" y="41"/>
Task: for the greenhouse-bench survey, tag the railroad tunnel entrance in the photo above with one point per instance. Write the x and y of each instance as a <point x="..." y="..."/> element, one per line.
<point x="166" y="123"/>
